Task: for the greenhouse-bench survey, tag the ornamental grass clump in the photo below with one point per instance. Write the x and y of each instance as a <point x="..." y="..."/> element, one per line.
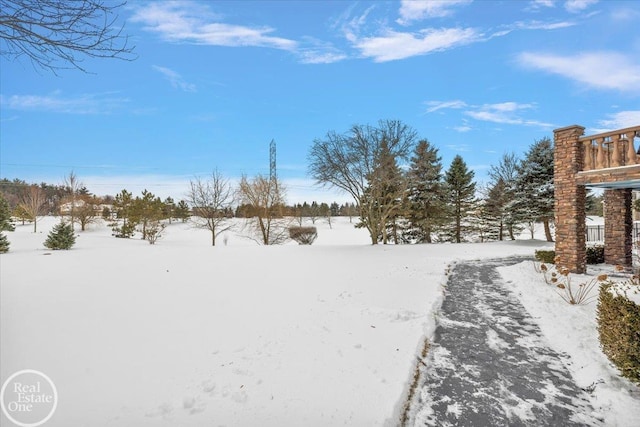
<point x="580" y="295"/>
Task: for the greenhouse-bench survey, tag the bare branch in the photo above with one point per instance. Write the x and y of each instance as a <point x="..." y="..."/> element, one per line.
<point x="57" y="35"/>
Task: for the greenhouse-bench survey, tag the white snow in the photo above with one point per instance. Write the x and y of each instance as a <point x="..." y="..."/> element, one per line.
<point x="182" y="333"/>
<point x="572" y="331"/>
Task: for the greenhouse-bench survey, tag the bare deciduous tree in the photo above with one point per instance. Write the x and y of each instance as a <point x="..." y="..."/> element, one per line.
<point x="266" y="196"/>
<point x="55" y="34"/>
<point x="72" y="185"/>
<point x="85" y="212"/>
<point x="349" y="161"/>
<point x="32" y="203"/>
<point x="211" y="201"/>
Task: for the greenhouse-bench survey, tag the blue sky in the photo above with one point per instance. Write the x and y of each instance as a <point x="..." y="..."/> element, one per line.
<point x="216" y="81"/>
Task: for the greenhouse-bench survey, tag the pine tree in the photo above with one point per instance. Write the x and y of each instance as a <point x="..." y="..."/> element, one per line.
<point x="494" y="211"/>
<point x="425" y="204"/>
<point x="123" y="205"/>
<point x="5" y="215"/>
<point x="534" y="199"/>
<point x="61" y="237"/>
<point x="4" y="243"/>
<point x="182" y="211"/>
<point x="5" y="224"/>
<point x="461" y="199"/>
<point x="502" y="193"/>
<point x="381" y="202"/>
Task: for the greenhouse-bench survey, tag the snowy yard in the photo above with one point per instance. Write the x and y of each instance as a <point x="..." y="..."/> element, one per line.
<point x="182" y="333"/>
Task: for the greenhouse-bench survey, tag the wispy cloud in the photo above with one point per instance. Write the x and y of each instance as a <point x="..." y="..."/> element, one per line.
<point x="462" y="129"/>
<point x="101" y="103"/>
<point x="316" y="51"/>
<point x="394" y="45"/>
<point x="538" y="4"/>
<point x="187" y="22"/>
<point x="542" y="25"/>
<point x="433" y="106"/>
<point x="602" y="70"/>
<point x="576" y="6"/>
<point x="411" y="10"/>
<point x="619" y="120"/>
<point x="175" y="79"/>
<point x="503" y="112"/>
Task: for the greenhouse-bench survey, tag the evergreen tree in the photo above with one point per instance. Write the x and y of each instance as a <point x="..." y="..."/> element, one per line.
<point x="4" y="243"/>
<point x="494" y="211"/>
<point x="168" y="209"/>
<point x="5" y="224"/>
<point x="381" y="202"/>
<point x="61" y="237"/>
<point x="534" y="198"/>
<point x="182" y="211"/>
<point x="5" y="215"/>
<point x="123" y="205"/>
<point x="461" y="200"/>
<point x="425" y="203"/>
<point x="503" y="183"/>
<point x="144" y="210"/>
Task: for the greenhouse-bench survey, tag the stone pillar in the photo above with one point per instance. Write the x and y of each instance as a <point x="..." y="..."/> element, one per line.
<point x="570" y="200"/>
<point x="618" y="227"/>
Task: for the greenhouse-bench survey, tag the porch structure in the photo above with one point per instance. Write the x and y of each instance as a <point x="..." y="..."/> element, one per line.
<point x="609" y="161"/>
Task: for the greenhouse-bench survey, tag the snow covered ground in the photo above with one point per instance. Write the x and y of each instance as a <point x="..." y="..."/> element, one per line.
<point x="182" y="333"/>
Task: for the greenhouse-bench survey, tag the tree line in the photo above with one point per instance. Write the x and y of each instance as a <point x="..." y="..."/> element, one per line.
<point x="403" y="195"/>
<point x="400" y="189"/>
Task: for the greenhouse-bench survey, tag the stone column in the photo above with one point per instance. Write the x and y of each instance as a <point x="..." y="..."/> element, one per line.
<point x="618" y="227"/>
<point x="570" y="200"/>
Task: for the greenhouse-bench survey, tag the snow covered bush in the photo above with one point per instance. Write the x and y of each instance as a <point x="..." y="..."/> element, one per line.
<point x="61" y="237"/>
<point x="619" y="326"/>
<point x="303" y="235"/>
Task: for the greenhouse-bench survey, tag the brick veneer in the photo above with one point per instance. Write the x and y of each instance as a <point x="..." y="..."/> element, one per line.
<point x="570" y="200"/>
<point x="618" y="227"/>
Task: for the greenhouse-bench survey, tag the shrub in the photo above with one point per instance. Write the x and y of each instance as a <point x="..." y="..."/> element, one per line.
<point x="546" y="256"/>
<point x="619" y="331"/>
<point x="4" y="243"/>
<point x="595" y="254"/>
<point x="61" y="237"/>
<point x="303" y="235"/>
<point x="154" y="230"/>
<point x="125" y="231"/>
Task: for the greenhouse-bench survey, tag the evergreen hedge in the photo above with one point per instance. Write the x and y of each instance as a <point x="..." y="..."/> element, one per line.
<point x="619" y="332"/>
<point x="548" y="257"/>
<point x="595" y="254"/>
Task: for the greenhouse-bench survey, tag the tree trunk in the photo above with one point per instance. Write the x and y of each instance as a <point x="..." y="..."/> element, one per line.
<point x="213" y="237"/>
<point x="547" y="230"/>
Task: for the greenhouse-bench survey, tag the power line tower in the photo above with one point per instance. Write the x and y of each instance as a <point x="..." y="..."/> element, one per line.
<point x="273" y="178"/>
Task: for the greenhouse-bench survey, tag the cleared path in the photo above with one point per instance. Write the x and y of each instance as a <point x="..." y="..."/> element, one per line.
<point x="490" y="365"/>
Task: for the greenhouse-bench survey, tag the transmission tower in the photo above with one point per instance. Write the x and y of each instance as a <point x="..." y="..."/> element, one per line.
<point x="272" y="162"/>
